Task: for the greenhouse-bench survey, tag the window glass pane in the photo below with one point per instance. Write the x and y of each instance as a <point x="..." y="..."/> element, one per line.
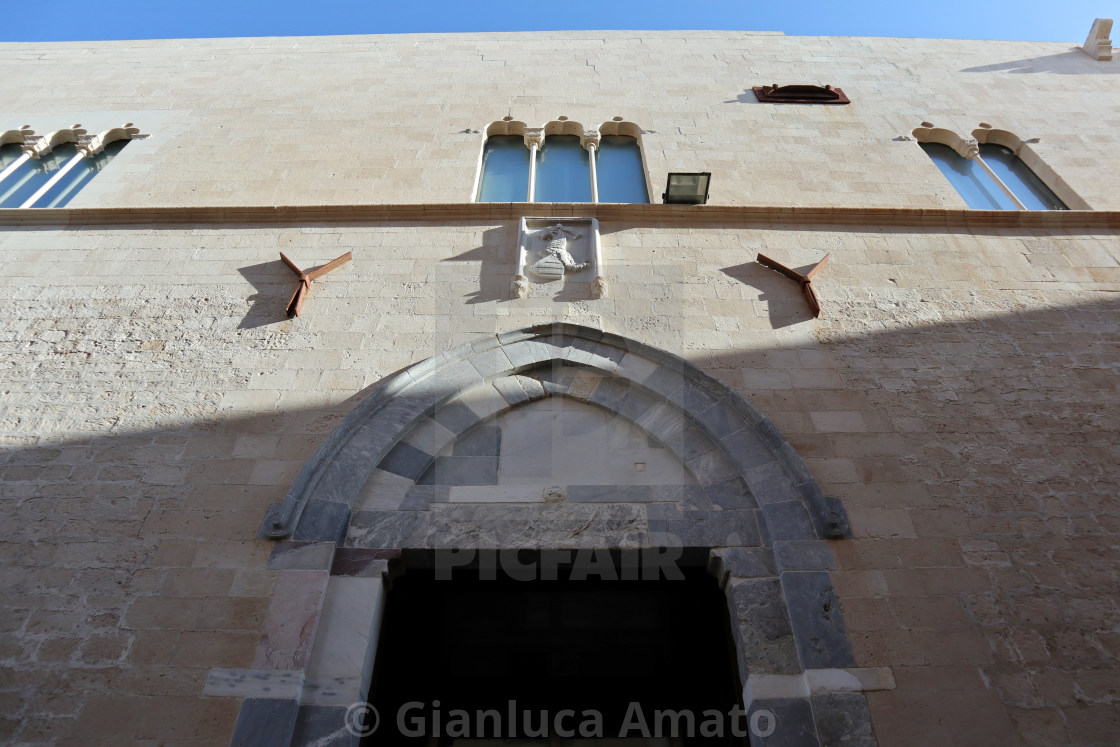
<point x="1020" y="179"/>
<point x="563" y="171"/>
<point x="969" y="179"/>
<point x="505" y="170"/>
<point x="34" y="173"/>
<point x="76" y="178"/>
<point x="618" y="168"/>
<point x="9" y="154"/>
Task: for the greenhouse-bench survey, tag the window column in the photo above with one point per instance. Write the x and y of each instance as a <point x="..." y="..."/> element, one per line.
<point x="591" y="140"/>
<point x="974" y="154"/>
<point x="74" y="161"/>
<point x="534" y="140"/>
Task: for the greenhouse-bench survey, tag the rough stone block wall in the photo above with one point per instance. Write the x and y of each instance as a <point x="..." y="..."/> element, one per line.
<point x="957" y="393"/>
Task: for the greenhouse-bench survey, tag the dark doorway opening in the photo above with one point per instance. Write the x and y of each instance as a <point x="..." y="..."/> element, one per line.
<point x="482" y="656"/>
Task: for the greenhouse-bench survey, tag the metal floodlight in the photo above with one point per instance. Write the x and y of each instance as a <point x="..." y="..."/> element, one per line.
<point x="687" y="189"/>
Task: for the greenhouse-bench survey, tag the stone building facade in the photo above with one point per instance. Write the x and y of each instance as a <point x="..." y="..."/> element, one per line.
<point x="908" y="504"/>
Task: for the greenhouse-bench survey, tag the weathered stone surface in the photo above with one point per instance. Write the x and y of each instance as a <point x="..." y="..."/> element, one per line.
<point x="843" y="719"/>
<point x="747" y="562"/>
<point x="346" y="642"/>
<point x="264" y="722"/>
<point x="322" y="521"/>
<point x="561" y="526"/>
<point x="818" y="623"/>
<point x="792" y="723"/>
<point x="304" y="556"/>
<point x="706" y="529"/>
<point x="406" y="460"/>
<point x="804" y="555"/>
<point x="322" y="726"/>
<point x="254" y="683"/>
<point x="293" y="616"/>
<point x="761" y="627"/>
<point x="388" y="529"/>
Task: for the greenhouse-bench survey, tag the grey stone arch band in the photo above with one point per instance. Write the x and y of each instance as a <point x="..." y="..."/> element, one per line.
<point x="790" y="501"/>
<point x="793" y="650"/>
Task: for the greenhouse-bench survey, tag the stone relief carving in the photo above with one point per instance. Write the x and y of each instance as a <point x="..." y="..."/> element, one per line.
<point x="550" y="248"/>
<point x="555" y="259"/>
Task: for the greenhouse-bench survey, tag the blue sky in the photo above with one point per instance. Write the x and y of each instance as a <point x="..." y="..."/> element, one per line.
<point x="1025" y="20"/>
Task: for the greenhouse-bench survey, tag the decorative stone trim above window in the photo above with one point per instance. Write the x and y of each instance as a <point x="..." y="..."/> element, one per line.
<point x="965" y="147"/>
<point x="985" y="134"/>
<point x="799" y="94"/>
<point x="19" y="137"/>
<point x="52" y="182"/>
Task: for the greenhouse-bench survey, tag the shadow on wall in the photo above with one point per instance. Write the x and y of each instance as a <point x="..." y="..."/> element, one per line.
<point x="498" y="256"/>
<point x="275" y="284"/>
<point x="746" y="97"/>
<point x="1073" y="62"/>
<point x="976" y="459"/>
<point x="783" y="298"/>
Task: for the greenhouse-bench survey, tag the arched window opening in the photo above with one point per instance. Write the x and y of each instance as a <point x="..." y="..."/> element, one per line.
<point x="505" y="170"/>
<point x="562" y="162"/>
<point x="621" y="175"/>
<point x="1019" y="178"/>
<point x="985" y="171"/>
<point x="48" y="171"/>
<point x="64" y="190"/>
<point x="563" y="171"/>
<point x="975" y="187"/>
<point x="33" y="174"/>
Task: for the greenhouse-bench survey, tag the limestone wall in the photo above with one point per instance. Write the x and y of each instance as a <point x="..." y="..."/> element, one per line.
<point x="958" y="393"/>
<point x="398" y="119"/>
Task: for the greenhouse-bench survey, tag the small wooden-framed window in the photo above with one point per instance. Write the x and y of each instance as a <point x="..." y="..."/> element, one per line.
<point x="800" y="94"/>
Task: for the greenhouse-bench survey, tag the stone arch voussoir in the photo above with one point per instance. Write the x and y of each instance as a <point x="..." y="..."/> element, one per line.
<point x="658" y="391"/>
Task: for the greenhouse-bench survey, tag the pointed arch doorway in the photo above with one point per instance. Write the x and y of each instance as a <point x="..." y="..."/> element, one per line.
<point x="556" y="438"/>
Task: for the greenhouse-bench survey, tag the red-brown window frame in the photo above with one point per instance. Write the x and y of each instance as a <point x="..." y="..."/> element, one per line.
<point x="800" y="94"/>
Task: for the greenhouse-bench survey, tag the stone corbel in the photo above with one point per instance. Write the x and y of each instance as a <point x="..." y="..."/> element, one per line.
<point x="43" y="145"/>
<point x="24" y="137"/>
<point x="1097" y="44"/>
<point x="91" y="146"/>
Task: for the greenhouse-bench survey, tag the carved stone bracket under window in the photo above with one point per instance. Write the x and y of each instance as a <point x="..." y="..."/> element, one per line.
<point x="550" y="249"/>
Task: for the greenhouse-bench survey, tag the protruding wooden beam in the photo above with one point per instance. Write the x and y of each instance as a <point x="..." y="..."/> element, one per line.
<point x="806" y="280"/>
<point x="295" y="305"/>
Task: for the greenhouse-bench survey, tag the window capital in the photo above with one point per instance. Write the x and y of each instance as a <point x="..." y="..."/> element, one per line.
<point x="534" y="136"/>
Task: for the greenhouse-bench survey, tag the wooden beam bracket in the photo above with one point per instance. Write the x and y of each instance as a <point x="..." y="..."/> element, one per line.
<point x="295" y="305"/>
<point x="806" y="280"/>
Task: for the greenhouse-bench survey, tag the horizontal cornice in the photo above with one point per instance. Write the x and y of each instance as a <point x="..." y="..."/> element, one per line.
<point x="652" y="215"/>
